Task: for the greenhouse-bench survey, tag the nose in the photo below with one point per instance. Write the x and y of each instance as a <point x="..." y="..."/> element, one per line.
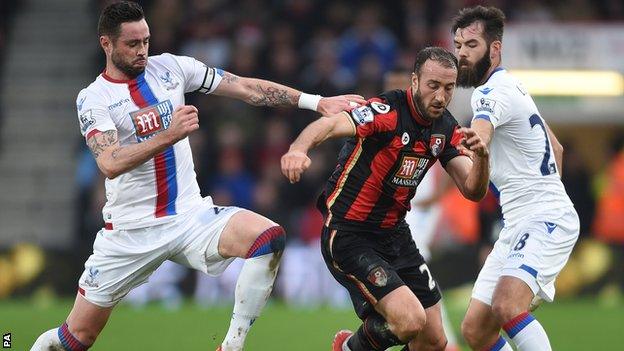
<point x="462" y="52"/>
<point x="142" y="50"/>
<point x="440" y="97"/>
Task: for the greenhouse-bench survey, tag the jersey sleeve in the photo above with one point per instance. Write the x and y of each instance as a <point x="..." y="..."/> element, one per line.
<point x="374" y="117"/>
<point x="197" y="76"/>
<point x="490" y="104"/>
<point x="93" y="114"/>
<point x="452" y="139"/>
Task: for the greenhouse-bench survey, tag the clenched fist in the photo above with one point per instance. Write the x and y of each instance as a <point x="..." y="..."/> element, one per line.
<point x="294" y="163"/>
<point x="184" y="121"/>
<point x="472" y="143"/>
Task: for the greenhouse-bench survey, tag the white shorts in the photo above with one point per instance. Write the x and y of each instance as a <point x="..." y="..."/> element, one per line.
<point x="533" y="250"/>
<point x="124" y="259"/>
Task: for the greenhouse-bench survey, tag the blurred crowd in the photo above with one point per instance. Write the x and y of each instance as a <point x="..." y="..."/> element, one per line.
<point x="7" y="10"/>
<point x="328" y="48"/>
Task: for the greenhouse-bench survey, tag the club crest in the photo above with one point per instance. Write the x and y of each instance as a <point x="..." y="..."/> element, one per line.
<point x="436" y="144"/>
<point x="378" y="277"/>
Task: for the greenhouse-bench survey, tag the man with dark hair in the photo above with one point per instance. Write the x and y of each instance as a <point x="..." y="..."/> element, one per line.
<point x="541" y="225"/>
<point x="135" y="122"/>
<point x="367" y="246"/>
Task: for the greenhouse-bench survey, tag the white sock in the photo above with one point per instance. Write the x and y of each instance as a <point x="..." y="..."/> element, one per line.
<point x="48" y="341"/>
<point x="527" y="333"/>
<point x="500" y="345"/>
<point x="253" y="289"/>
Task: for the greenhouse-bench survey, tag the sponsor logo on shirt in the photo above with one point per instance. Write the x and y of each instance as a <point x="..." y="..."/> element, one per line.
<point x="118" y="104"/>
<point x="411" y="169"/>
<point x="486" y="90"/>
<point x="151" y="120"/>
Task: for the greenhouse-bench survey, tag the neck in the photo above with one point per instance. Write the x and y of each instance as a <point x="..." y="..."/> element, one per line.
<point x="495" y="64"/>
<point x="113" y="72"/>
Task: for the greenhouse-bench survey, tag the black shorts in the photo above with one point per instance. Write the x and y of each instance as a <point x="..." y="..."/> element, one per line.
<point x="371" y="265"/>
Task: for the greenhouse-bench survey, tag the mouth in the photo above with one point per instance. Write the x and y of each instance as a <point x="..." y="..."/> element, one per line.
<point x="140" y="62"/>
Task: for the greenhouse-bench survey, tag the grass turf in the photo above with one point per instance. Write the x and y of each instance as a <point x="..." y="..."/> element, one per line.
<point x="571" y="324"/>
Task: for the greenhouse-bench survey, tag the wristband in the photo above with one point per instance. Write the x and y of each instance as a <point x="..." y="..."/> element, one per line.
<point x="309" y="101"/>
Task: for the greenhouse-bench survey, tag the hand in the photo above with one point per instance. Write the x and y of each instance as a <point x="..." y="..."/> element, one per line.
<point x="294" y="163"/>
<point x="184" y="121"/>
<point x="471" y="144"/>
<point x="336" y="104"/>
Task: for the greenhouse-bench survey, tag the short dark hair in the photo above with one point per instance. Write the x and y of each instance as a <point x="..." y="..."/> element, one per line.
<point x="437" y="54"/>
<point x="117" y="13"/>
<point x="493" y="21"/>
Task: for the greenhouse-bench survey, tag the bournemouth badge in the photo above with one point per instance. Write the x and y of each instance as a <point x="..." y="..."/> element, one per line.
<point x="436" y="144"/>
<point x="378" y="277"/>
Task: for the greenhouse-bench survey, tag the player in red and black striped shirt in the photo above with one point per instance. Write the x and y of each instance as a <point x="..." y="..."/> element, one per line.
<point x="395" y="138"/>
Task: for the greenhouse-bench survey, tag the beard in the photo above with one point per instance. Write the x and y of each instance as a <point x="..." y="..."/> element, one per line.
<point x="468" y="77"/>
<point x="127" y="68"/>
<point x="422" y="108"/>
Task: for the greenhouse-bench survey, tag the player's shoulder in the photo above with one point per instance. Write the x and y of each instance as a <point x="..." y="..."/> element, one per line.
<point x="380" y="105"/>
<point x="168" y="60"/>
<point x="93" y="93"/>
<point x="447" y="120"/>
<point x="498" y="84"/>
<point x="393" y="98"/>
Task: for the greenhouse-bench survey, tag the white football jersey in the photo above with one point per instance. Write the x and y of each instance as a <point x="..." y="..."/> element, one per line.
<point x="522" y="164"/>
<point x="138" y="109"/>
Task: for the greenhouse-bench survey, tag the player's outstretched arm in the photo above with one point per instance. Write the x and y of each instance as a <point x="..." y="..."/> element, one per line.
<point x="557" y="149"/>
<point x="259" y="92"/>
<point x="296" y="160"/>
<point x="114" y="159"/>
<point x="471" y="174"/>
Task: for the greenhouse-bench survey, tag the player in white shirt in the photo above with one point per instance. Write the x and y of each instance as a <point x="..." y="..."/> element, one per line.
<point x="541" y="225"/>
<point x="135" y="122"/>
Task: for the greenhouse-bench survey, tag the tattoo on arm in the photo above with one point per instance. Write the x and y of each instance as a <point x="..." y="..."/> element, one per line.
<point x="229" y="77"/>
<point x="272" y="96"/>
<point x="101" y="141"/>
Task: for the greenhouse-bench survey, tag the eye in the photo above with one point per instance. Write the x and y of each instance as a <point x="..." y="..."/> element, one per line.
<point x="432" y="86"/>
<point x="472" y="46"/>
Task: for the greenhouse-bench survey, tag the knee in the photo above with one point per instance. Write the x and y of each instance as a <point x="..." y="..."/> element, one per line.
<point x="505" y="311"/>
<point x="471" y="332"/>
<point x="408" y="327"/>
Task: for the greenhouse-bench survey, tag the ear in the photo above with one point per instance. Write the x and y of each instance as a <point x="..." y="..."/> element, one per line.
<point x="414" y="81"/>
<point x="495" y="49"/>
<point x="106" y="44"/>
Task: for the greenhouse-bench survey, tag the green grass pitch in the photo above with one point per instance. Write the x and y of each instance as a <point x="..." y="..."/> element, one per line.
<point x="572" y="325"/>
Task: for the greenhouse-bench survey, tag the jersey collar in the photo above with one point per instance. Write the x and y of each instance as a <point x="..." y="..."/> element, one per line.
<point x="497" y="69"/>
<point x="113" y="80"/>
<point x="414" y="111"/>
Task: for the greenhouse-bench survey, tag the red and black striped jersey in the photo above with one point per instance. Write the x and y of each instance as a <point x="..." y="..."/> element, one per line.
<point x="379" y="168"/>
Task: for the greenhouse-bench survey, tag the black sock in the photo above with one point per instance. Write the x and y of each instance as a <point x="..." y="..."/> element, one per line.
<point x="373" y="334"/>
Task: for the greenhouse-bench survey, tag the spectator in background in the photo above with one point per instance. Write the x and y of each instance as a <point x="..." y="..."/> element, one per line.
<point x="368" y="41"/>
<point x="324" y="74"/>
<point x="609" y="223"/>
<point x="577" y="181"/>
